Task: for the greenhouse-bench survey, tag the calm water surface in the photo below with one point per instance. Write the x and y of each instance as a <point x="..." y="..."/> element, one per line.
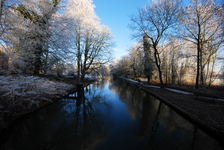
<point x="111" y="114"/>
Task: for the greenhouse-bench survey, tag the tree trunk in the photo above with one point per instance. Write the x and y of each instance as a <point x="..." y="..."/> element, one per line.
<point x="158" y="66"/>
<point x="166" y="72"/>
<point x="79" y="56"/>
<point x="173" y="76"/>
<point x="211" y="75"/>
<point x="201" y="67"/>
<point x="160" y="77"/>
<point x="45" y="63"/>
<point x="78" y="69"/>
<point x="198" y="67"/>
<point x="37" y="62"/>
<point x="173" y="69"/>
<point x="134" y="73"/>
<point x="83" y="76"/>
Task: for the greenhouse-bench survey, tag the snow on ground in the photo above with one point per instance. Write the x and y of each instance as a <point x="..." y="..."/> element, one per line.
<point x="174" y="90"/>
<point x="23" y="92"/>
<point x="179" y="91"/>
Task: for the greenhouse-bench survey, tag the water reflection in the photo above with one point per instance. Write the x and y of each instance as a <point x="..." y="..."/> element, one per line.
<point x="72" y="123"/>
<point x="159" y="127"/>
<point x="110" y="114"/>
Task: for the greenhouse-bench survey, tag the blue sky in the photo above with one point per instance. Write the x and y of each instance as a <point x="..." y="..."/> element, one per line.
<point x="115" y="14"/>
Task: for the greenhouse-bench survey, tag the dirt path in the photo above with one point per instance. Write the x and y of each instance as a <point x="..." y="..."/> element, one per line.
<point x="209" y="111"/>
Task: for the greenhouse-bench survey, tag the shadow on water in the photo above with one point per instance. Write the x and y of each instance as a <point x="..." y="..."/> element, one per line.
<point x="71" y="123"/>
<point x="158" y="126"/>
<point x="109" y="114"/>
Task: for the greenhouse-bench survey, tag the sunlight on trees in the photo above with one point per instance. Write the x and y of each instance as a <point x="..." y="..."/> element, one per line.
<point x="154" y="21"/>
<point x="184" y="43"/>
<point x="43" y="36"/>
<point x="176" y="44"/>
<point x="202" y="27"/>
<point x="92" y="41"/>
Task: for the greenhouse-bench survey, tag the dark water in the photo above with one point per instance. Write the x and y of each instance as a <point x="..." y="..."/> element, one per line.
<point x="111" y="114"/>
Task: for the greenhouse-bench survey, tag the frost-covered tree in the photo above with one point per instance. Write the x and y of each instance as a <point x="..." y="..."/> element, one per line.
<point x="97" y="48"/>
<point x="174" y="50"/>
<point x="202" y="23"/>
<point x="4" y="6"/>
<point x="136" y="58"/>
<point x="103" y="71"/>
<point x="154" y="21"/>
<point x="122" y="67"/>
<point x="149" y="65"/>
<point x="81" y="13"/>
<point x="92" y="41"/>
<point x="31" y="31"/>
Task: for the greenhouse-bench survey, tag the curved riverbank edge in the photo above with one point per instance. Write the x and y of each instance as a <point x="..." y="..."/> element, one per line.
<point x="70" y="91"/>
<point x="21" y="114"/>
<point x="217" y="135"/>
<point x="10" y="119"/>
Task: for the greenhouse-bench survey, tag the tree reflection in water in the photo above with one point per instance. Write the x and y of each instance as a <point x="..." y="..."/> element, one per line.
<point x="110" y="114"/>
<point x="72" y="123"/>
<point x="159" y="127"/>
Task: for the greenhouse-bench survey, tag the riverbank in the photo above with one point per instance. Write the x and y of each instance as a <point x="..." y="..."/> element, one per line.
<point x="21" y="94"/>
<point x="206" y="112"/>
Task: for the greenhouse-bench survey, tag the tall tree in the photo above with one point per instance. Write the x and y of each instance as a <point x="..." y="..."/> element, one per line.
<point x="148" y="61"/>
<point x="201" y="21"/>
<point x="96" y="48"/>
<point x="35" y="33"/>
<point x="81" y="13"/>
<point x="155" y="20"/>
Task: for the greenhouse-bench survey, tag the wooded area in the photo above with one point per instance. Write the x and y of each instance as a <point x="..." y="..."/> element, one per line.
<point x="53" y="37"/>
<point x="177" y="44"/>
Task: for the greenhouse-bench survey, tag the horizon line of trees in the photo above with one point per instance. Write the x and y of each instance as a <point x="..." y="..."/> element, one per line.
<point x="177" y="43"/>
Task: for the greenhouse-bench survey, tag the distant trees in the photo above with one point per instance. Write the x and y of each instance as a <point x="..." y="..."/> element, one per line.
<point x="136" y="58"/>
<point x="137" y="63"/>
<point x="183" y="43"/>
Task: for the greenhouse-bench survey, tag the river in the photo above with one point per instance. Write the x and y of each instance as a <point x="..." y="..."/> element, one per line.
<point x="110" y="114"/>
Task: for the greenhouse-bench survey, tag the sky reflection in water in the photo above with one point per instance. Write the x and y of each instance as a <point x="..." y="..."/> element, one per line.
<point x="111" y="114"/>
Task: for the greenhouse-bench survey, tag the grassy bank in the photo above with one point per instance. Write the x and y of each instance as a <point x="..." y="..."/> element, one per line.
<point x="21" y="94"/>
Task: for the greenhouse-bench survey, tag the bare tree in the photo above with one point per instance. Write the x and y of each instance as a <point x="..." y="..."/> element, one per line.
<point x="97" y="48"/>
<point x="201" y="21"/>
<point x="155" y="20"/>
<point x="92" y="41"/>
<point x="122" y="67"/>
<point x="136" y="59"/>
<point x="81" y="13"/>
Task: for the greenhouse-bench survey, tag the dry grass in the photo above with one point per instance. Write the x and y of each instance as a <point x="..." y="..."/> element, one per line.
<point x="22" y="93"/>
